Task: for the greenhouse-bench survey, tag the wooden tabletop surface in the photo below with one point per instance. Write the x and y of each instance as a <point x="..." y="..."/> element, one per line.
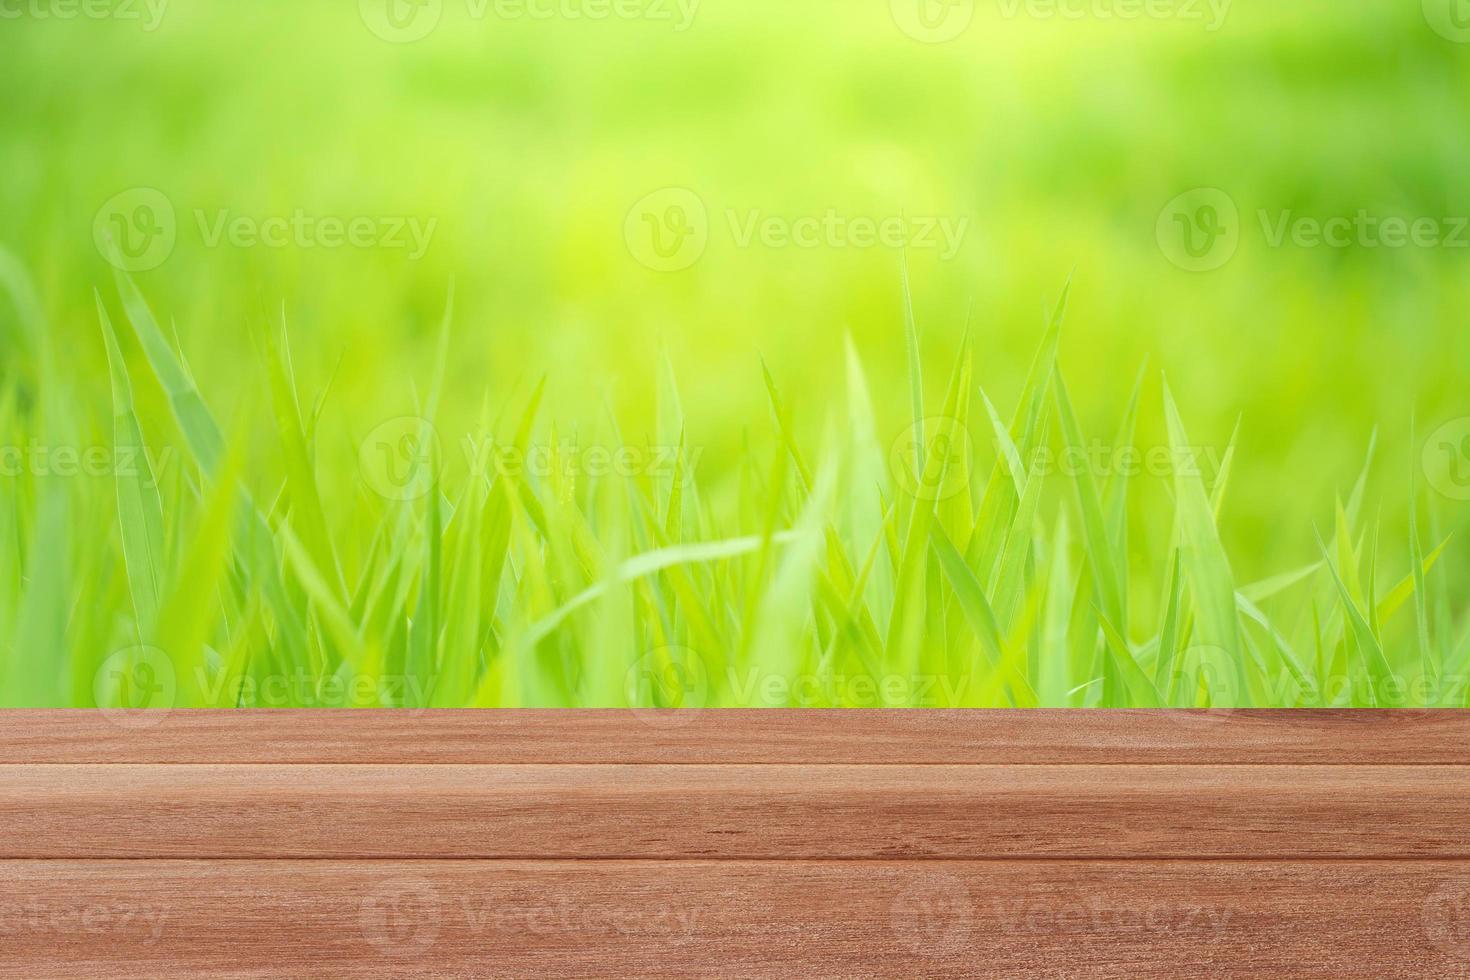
<point x="734" y="844"/>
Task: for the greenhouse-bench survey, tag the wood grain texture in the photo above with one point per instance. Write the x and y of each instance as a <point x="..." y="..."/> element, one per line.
<point x="361" y="844"/>
<point x="746" y="811"/>
<point x="1178" y="919"/>
<point x="877" y="737"/>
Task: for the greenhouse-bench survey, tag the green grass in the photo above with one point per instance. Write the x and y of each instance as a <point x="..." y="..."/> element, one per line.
<point x="299" y="478"/>
<point x="236" y="560"/>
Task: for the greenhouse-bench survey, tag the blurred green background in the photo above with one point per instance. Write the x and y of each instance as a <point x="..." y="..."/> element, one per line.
<point x="1059" y="141"/>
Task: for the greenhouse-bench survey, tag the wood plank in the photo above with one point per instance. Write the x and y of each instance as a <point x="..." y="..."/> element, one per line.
<point x="1095" y="737"/>
<point x="846" y="844"/>
<point x="155" y="920"/>
<point x="734" y="811"/>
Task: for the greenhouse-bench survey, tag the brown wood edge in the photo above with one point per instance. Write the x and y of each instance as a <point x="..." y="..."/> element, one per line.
<point x="765" y="736"/>
<point x="154" y="920"/>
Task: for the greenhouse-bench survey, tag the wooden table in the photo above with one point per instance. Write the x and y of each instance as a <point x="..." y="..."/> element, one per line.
<point x="734" y="844"/>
